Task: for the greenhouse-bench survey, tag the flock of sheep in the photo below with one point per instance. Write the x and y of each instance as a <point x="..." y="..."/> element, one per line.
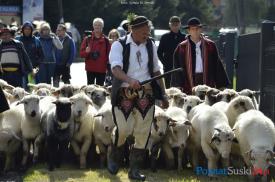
<point x="207" y="128"/>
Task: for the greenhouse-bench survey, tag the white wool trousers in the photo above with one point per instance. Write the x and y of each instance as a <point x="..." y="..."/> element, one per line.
<point x="133" y="117"/>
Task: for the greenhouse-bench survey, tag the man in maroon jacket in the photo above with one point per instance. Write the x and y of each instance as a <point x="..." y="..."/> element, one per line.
<point x="95" y="49"/>
<point x="198" y="56"/>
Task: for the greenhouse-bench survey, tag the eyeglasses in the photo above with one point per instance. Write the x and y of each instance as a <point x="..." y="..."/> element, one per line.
<point x="139" y="58"/>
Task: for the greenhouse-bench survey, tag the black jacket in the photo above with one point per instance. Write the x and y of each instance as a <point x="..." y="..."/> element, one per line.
<point x="167" y="45"/>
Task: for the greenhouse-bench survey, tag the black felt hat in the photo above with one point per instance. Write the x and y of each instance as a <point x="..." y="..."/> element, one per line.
<point x="193" y="22"/>
<point x="139" y="21"/>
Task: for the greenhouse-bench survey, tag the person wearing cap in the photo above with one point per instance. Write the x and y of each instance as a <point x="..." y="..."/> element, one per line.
<point x="198" y="56"/>
<point x="95" y="49"/>
<point x="134" y="59"/>
<point x="167" y="45"/>
<point x="33" y="48"/>
<point x="14" y="60"/>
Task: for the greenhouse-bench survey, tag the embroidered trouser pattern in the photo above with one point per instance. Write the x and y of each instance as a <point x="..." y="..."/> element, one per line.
<point x="133" y="117"/>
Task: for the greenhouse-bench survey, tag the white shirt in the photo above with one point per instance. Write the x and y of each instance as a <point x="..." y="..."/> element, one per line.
<point x="138" y="60"/>
<point x="199" y="65"/>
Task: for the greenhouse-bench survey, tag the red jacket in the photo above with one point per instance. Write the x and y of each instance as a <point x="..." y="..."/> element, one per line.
<point x="99" y="45"/>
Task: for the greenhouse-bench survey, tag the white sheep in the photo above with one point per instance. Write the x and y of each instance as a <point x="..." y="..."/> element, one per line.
<point x="30" y="125"/>
<point x="253" y="95"/>
<point x="200" y="91"/>
<point x="177" y="135"/>
<point x="177" y="99"/>
<point x="210" y="132"/>
<point x="227" y="95"/>
<point x="25" y="119"/>
<point x="237" y="106"/>
<point x="256" y="136"/>
<point x="191" y="101"/>
<point x="158" y="131"/>
<point x="83" y="114"/>
<point x="97" y="94"/>
<point x="102" y="130"/>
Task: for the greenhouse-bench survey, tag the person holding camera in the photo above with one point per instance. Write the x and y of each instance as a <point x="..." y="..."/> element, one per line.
<point x="95" y="49"/>
<point x="64" y="57"/>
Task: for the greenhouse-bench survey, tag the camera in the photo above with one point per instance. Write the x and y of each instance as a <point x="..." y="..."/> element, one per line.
<point x="94" y="55"/>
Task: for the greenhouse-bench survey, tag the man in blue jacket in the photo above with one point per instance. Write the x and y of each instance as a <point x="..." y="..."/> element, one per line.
<point x="64" y="57"/>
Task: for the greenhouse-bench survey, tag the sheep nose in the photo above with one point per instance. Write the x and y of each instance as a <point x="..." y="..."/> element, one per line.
<point x="161" y="134"/>
<point x="189" y="108"/>
<point x="201" y="97"/>
<point x="33" y="113"/>
<point x="106" y="128"/>
<point x="79" y="113"/>
<point x="241" y="103"/>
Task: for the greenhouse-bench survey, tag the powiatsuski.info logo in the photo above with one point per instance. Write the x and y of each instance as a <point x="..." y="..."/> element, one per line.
<point x="232" y="171"/>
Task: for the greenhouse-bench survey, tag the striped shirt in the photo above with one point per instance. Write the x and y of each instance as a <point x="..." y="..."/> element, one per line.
<point x="9" y="55"/>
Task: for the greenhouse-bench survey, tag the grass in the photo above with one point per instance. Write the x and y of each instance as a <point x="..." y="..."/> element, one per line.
<point x="39" y="173"/>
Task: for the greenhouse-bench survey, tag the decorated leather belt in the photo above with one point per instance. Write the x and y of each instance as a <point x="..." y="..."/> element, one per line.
<point x="130" y="93"/>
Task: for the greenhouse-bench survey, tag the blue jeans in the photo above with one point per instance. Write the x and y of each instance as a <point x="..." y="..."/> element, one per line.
<point x="45" y="73"/>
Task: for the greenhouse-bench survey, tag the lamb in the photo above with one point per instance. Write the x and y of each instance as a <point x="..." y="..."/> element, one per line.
<point x="177" y="99"/>
<point x="38" y="86"/>
<point x="191" y="101"/>
<point x="83" y="115"/>
<point x="200" y="91"/>
<point x="177" y="135"/>
<point x="237" y="106"/>
<point x="256" y="136"/>
<point x="171" y="91"/>
<point x="158" y="131"/>
<point x="97" y="93"/>
<point x="59" y="129"/>
<point x="25" y="119"/>
<point x="227" y="95"/>
<point x="66" y="90"/>
<point x="102" y="130"/>
<point x="210" y="132"/>
<point x="252" y="95"/>
<point x="30" y="125"/>
<point x="17" y="94"/>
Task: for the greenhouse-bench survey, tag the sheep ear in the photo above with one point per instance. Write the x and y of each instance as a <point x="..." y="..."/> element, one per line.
<point x="8" y="87"/>
<point x="22" y="101"/>
<point x="26" y="93"/>
<point x="193" y="90"/>
<point x="106" y="93"/>
<point x="83" y="88"/>
<point x="272" y="154"/>
<point x="89" y="101"/>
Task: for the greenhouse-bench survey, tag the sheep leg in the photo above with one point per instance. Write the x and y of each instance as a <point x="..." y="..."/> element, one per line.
<point x="83" y="153"/>
<point x="76" y="148"/>
<point x="180" y="156"/>
<point x="26" y="150"/>
<point x="37" y="145"/>
<point x="169" y="156"/>
<point x="195" y="157"/>
<point x="8" y="162"/>
<point x="103" y="154"/>
<point x="211" y="157"/>
<point x="154" y="156"/>
<point x="52" y="151"/>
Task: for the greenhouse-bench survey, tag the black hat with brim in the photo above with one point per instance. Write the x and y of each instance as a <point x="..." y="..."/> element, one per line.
<point x="193" y="22"/>
<point x="139" y="21"/>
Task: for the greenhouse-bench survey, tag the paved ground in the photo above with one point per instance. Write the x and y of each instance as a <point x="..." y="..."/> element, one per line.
<point x="78" y="74"/>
